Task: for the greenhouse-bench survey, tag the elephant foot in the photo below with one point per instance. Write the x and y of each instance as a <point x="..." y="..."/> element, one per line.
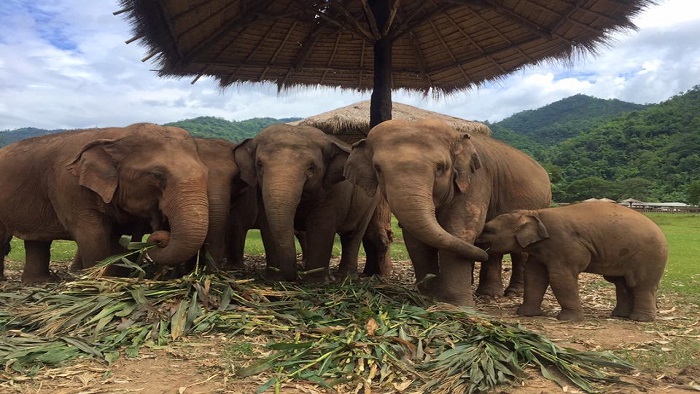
<point x="39" y="279"/>
<point x="3" y="278"/>
<point x="489" y="290"/>
<point x="513" y="291"/>
<point x="524" y="310"/>
<point x="570" y="315"/>
<point x="643" y="316"/>
<point x="454" y="299"/>
<point x="621" y="312"/>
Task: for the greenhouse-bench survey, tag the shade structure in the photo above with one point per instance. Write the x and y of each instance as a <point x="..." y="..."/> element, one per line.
<point x="351" y="123"/>
<point x="436" y="46"/>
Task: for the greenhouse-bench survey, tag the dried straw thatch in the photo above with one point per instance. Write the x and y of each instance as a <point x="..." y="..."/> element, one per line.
<point x="437" y="46"/>
<point x="351" y="123"/>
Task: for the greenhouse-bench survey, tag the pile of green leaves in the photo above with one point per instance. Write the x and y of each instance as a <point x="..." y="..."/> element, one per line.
<point x="365" y="331"/>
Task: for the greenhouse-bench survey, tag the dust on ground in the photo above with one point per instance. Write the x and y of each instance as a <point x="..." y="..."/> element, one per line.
<point x="200" y="365"/>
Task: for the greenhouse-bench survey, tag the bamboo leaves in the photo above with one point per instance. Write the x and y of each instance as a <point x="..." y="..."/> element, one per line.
<point x="363" y="332"/>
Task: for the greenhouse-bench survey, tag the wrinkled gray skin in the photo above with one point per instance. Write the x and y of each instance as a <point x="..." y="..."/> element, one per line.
<point x="442" y="185"/>
<point x="623" y="245"/>
<point x="82" y="184"/>
<point x="299" y="174"/>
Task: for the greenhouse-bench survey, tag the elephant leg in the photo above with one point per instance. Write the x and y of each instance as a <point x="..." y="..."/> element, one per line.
<point x="644" y="304"/>
<point x="4" y="251"/>
<point x="235" y="248"/>
<point x="36" y="267"/>
<point x="453" y="283"/>
<point x="377" y="240"/>
<point x="517" y="273"/>
<point x="301" y="238"/>
<point x="490" y="281"/>
<point x="424" y="259"/>
<point x="565" y="288"/>
<point x="350" y="243"/>
<point x="319" y="244"/>
<point x="623" y="296"/>
<point x="272" y="255"/>
<point x="536" y="281"/>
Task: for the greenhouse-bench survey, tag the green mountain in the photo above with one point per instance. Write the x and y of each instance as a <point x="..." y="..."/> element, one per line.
<point x="10" y="136"/>
<point x="609" y="148"/>
<point x="563" y="119"/>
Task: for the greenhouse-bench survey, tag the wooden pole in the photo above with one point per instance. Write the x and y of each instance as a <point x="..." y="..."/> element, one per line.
<point x="380" y="104"/>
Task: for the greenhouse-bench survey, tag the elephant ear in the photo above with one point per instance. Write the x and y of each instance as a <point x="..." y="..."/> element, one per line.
<point x="337" y="155"/>
<point x="244" y="156"/>
<point x="359" y="170"/>
<point x="96" y="168"/>
<point x="532" y="231"/>
<point x="466" y="161"/>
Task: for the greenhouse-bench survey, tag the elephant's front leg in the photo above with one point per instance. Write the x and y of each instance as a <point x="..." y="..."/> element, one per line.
<point x="36" y="267"/>
<point x="320" y="235"/>
<point x="517" y="275"/>
<point x="350" y="244"/>
<point x="490" y="281"/>
<point x="536" y="283"/>
<point x="424" y="259"/>
<point x="564" y="284"/>
<point x="453" y="283"/>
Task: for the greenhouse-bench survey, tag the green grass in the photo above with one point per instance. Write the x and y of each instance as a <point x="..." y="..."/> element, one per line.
<point x="682" y="231"/>
<point x="682" y="270"/>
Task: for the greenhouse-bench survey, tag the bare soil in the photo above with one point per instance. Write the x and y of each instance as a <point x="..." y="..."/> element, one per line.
<point x="202" y="365"/>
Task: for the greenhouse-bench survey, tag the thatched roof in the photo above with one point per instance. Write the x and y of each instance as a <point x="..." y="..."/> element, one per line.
<point x="437" y="46"/>
<point x="351" y="123"/>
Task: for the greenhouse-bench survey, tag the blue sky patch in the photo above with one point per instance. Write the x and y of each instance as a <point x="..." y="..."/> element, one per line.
<point x="50" y="28"/>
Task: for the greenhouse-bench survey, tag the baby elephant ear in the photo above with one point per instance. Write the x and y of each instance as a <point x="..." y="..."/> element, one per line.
<point x="532" y="231"/>
<point x="96" y="169"/>
<point x="244" y="156"/>
<point x="359" y="170"/>
<point x="336" y="157"/>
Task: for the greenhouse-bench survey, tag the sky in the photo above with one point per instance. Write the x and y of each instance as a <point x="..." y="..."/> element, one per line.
<point x="64" y="64"/>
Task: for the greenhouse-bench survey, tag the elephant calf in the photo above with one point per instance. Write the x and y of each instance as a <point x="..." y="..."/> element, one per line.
<point x="624" y="246"/>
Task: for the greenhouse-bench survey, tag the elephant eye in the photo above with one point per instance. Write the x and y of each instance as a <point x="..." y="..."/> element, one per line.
<point x="259" y="165"/>
<point x="377" y="169"/>
<point x="440" y="168"/>
<point x="312" y="167"/>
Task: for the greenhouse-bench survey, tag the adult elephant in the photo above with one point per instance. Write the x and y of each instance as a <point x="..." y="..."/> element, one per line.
<point x="83" y="184"/>
<point x="442" y="185"/>
<point x="299" y="170"/>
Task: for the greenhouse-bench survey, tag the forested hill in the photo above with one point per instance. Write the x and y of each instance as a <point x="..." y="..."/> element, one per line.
<point x="534" y="130"/>
<point x="10" y="136"/>
<point x="212" y="127"/>
<point x="203" y="126"/>
<point x="650" y="154"/>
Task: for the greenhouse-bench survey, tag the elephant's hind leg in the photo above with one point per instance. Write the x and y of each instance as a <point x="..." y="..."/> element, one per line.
<point x="536" y="283"/>
<point x="644" y="304"/>
<point x="623" y="295"/>
<point x="36" y="267"/>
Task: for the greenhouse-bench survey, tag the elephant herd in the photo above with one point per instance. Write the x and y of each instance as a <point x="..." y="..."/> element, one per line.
<point x="443" y="186"/>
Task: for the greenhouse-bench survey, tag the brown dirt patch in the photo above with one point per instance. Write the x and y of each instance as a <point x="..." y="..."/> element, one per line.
<point x="202" y="364"/>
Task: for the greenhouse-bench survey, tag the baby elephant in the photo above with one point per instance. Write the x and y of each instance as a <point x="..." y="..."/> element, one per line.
<point x="624" y="246"/>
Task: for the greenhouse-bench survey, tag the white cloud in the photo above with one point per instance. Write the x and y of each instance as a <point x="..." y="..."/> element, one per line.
<point x="64" y="64"/>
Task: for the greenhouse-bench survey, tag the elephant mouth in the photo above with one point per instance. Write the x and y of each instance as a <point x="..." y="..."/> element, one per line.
<point x="483" y="245"/>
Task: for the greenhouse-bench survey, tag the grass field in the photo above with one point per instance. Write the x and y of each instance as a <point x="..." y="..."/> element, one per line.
<point x="682" y="230"/>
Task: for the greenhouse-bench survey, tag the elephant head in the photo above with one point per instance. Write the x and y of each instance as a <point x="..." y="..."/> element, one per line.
<point x="151" y="172"/>
<point x="419" y="167"/>
<point x="512" y="232"/>
<point x="291" y="165"/>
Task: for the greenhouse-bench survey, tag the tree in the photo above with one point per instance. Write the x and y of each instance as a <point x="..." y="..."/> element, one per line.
<point x="694" y="193"/>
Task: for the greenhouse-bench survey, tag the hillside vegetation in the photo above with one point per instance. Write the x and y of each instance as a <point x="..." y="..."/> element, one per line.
<point x="613" y="149"/>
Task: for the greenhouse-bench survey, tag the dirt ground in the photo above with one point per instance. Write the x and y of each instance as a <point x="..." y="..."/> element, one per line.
<point x="197" y="365"/>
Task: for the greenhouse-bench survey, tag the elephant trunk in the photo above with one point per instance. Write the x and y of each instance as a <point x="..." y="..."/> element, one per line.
<point x="187" y="210"/>
<point x="281" y="201"/>
<point x="415" y="210"/>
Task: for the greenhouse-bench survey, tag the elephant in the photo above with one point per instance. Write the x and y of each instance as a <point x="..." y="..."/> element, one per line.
<point x="442" y="185"/>
<point x="604" y="238"/>
<point x="82" y="184"/>
<point x="4" y="251"/>
<point x="298" y="171"/>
